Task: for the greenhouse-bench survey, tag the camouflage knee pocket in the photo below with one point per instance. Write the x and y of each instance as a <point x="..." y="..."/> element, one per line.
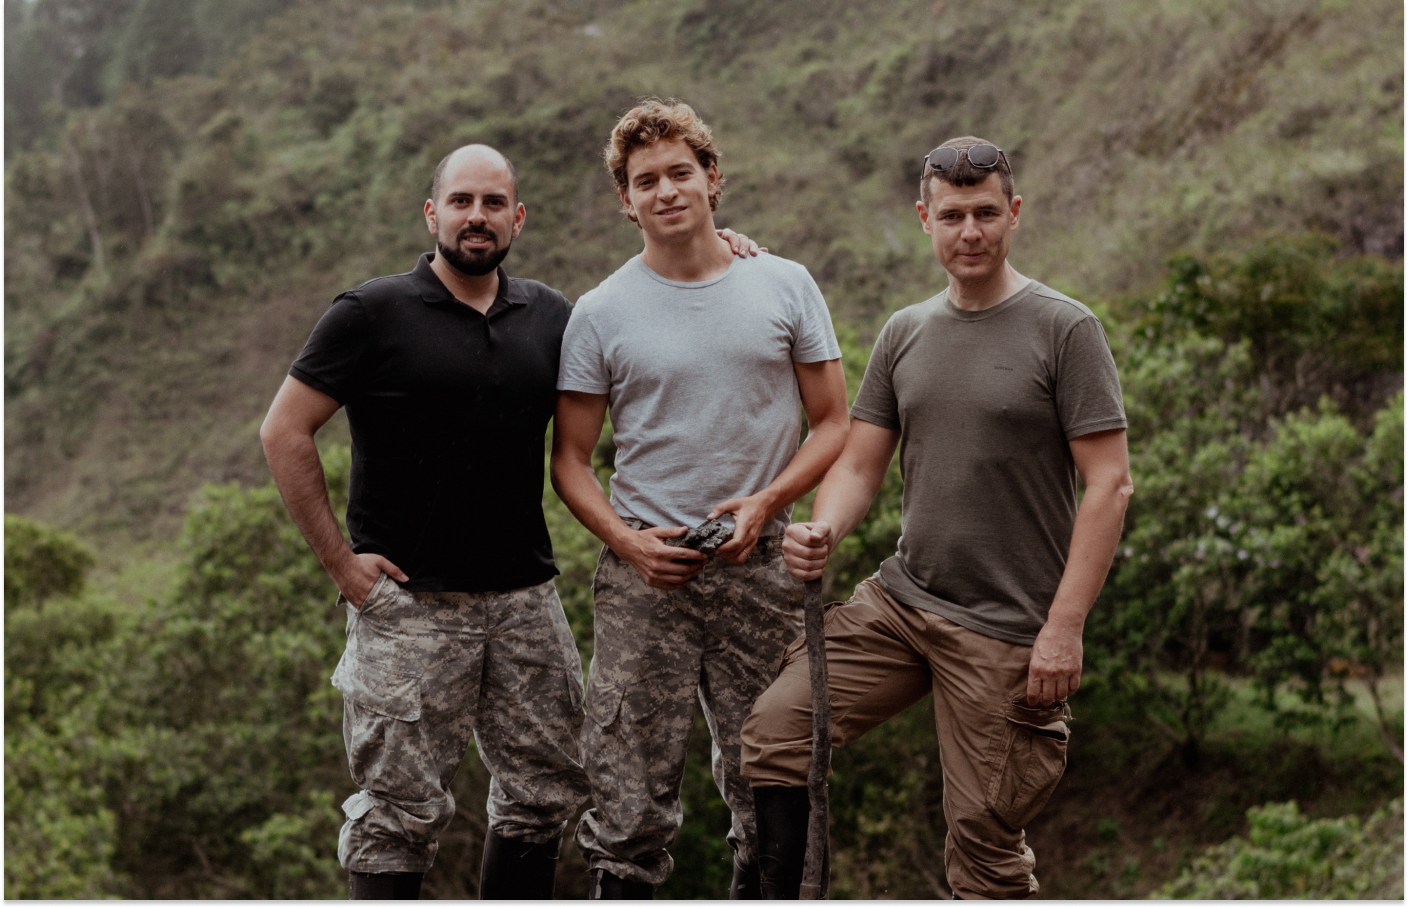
<point x="393" y="823"/>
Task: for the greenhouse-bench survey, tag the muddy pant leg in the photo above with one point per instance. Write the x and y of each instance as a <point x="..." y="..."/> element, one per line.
<point x="640" y="703"/>
<point x="1001" y="759"/>
<point x="409" y="679"/>
<point x="753" y="611"/>
<point x="530" y="715"/>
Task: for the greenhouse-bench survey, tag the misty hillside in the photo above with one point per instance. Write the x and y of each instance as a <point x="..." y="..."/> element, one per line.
<point x="175" y="225"/>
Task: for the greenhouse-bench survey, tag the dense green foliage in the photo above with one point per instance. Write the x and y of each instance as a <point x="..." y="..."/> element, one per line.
<point x="41" y="562"/>
<point x="190" y="747"/>
<point x="1264" y="537"/>
<point x="81" y="52"/>
<point x="1290" y="856"/>
<point x="188" y="184"/>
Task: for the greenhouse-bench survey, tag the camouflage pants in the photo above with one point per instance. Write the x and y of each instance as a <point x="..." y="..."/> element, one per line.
<point x="719" y="639"/>
<point x="424" y="671"/>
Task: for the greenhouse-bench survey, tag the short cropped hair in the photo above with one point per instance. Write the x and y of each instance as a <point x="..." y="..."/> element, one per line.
<point x="444" y="162"/>
<point x="649" y="122"/>
<point x="965" y="174"/>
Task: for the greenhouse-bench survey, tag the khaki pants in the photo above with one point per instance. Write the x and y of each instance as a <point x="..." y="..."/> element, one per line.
<point x="1001" y="758"/>
<point x="717" y="641"/>
<point x="424" y="671"/>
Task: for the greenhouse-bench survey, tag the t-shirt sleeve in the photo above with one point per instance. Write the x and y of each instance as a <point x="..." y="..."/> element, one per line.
<point x="330" y="359"/>
<point x="816" y="338"/>
<point x="1088" y="397"/>
<point x="583" y="365"/>
<point x="876" y="402"/>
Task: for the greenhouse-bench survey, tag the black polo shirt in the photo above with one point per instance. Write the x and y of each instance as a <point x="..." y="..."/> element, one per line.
<point x="448" y="409"/>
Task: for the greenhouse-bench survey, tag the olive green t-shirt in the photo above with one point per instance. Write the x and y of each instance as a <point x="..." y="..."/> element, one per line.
<point x="986" y="403"/>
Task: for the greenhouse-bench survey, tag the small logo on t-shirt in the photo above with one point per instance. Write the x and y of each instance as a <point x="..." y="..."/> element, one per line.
<point x="1005" y="368"/>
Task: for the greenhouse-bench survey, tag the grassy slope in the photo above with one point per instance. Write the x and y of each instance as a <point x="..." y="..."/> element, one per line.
<point x="1136" y="130"/>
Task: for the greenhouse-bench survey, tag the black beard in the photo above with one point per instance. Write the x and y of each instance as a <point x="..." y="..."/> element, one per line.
<point x="474" y="264"/>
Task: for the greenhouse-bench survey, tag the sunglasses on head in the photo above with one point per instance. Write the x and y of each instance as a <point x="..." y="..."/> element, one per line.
<point x="945" y="157"/>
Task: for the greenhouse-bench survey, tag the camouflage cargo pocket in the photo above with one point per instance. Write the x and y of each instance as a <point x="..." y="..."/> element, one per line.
<point x="1028" y="760"/>
<point x="381" y="668"/>
<point x="379" y="688"/>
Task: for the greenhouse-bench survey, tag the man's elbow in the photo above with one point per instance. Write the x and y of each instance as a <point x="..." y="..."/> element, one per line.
<point x="560" y="465"/>
<point x="278" y="437"/>
<point x="836" y="427"/>
<point x="1124" y="491"/>
<point x="269" y="436"/>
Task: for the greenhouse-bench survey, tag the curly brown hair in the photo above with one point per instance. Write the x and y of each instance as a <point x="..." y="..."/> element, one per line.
<point x="649" y="122"/>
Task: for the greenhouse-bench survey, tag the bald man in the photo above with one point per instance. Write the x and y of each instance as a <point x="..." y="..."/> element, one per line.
<point x="454" y="627"/>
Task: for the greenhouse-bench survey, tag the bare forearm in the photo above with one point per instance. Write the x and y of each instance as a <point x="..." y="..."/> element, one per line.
<point x="844" y="499"/>
<point x="1099" y="523"/>
<point x="298" y="473"/>
<point x="576" y="484"/>
<point x="816" y="455"/>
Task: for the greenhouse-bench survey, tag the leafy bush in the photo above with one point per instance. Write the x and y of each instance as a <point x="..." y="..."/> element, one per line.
<point x="188" y="747"/>
<point x="41" y="562"/>
<point x="1289" y="856"/>
<point x="1264" y="536"/>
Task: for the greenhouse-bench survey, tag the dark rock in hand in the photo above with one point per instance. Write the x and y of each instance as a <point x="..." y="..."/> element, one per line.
<point x="706" y="538"/>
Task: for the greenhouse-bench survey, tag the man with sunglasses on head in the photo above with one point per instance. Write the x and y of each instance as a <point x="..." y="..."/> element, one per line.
<point x="999" y="393"/>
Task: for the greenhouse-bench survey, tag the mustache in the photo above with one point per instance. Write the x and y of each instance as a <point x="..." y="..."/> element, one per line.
<point x="477" y="231"/>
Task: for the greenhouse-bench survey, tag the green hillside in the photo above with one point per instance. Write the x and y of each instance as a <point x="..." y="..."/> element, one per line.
<point x="168" y="250"/>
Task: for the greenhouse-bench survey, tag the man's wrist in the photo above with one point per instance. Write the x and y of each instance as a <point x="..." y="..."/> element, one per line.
<point x="769" y="501"/>
<point x="1067" y="620"/>
<point x="833" y="536"/>
<point x="338" y="562"/>
<point x="619" y="536"/>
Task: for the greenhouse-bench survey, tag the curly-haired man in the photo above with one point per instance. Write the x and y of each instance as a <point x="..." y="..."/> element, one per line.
<point x="703" y="361"/>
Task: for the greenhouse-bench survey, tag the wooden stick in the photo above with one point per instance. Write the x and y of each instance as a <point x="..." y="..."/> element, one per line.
<point x="815" y="881"/>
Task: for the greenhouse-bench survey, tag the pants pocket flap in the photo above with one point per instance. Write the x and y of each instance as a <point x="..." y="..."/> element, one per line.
<point x="381" y="689"/>
<point x="1047" y="722"/>
<point x="358" y="805"/>
<point x="604" y="702"/>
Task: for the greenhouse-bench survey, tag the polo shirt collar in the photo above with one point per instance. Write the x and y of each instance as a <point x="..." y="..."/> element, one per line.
<point x="434" y="292"/>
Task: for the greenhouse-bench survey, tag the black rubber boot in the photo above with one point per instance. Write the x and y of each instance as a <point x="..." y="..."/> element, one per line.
<point x="782" y="839"/>
<point x="607" y="885"/>
<point x="384" y="886"/>
<point x="747" y="884"/>
<point x="513" y="870"/>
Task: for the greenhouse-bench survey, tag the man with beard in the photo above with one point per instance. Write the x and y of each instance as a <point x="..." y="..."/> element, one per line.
<point x="454" y="626"/>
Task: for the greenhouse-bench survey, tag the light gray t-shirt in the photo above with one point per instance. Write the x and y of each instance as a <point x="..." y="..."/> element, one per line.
<point x="703" y="396"/>
<point x="987" y="403"/>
